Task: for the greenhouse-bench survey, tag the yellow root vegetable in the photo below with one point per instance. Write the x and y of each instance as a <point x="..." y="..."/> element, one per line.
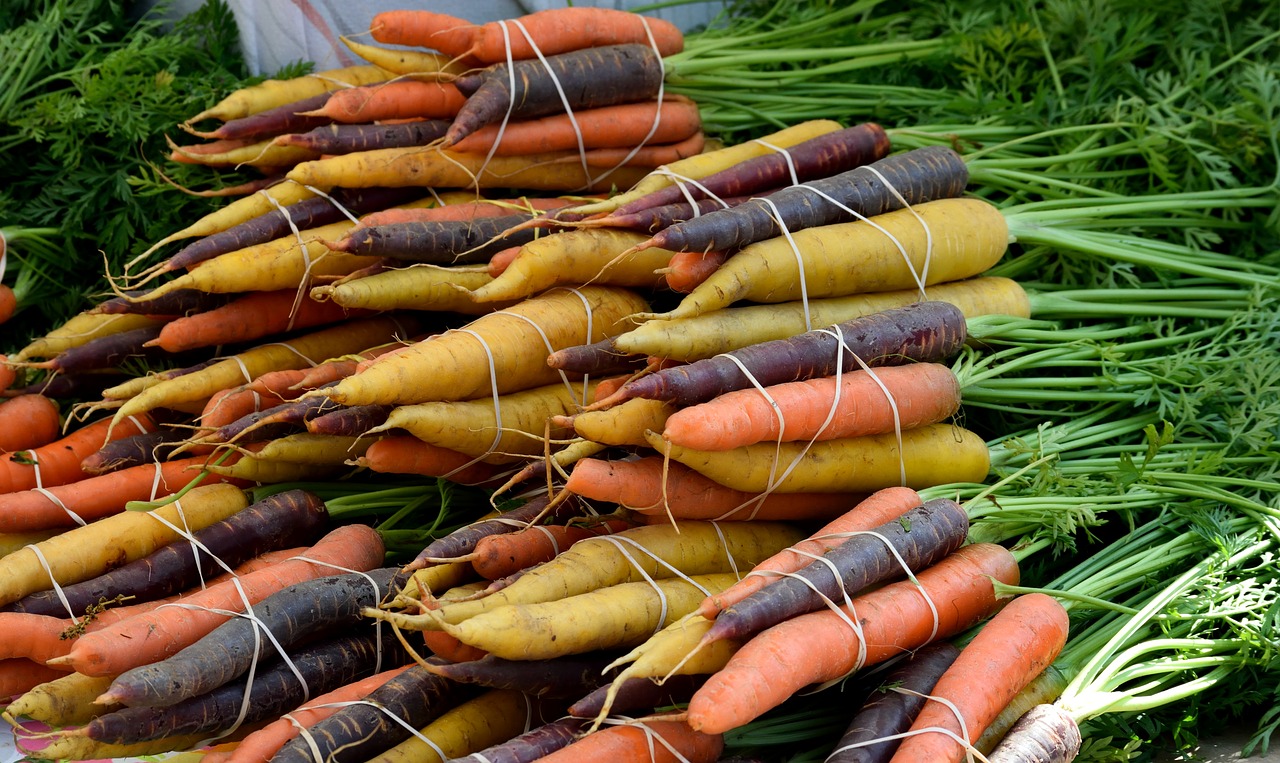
<point x="418" y="287"/>
<point x="404" y="61"/>
<point x="65" y="701"/>
<point x="511" y="344"/>
<point x="930" y="455"/>
<point x="277" y="92"/>
<point x="82" y="329"/>
<point x="623" y="424"/>
<point x="492" y="718"/>
<point x="721" y="331"/>
<point x="944" y="240"/>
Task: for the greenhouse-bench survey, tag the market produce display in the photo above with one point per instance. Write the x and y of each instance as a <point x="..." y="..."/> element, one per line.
<point x="829" y="383"/>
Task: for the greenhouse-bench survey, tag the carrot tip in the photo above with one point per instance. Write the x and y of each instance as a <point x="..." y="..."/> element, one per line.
<point x="55" y="662"/>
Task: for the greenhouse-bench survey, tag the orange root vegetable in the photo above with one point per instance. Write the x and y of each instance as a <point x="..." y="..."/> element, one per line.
<point x="59" y="461"/>
<point x="674" y="491"/>
<point x="28" y="421"/>
<point x="821" y="646"/>
<point x="876" y="509"/>
<point x="625" y="126"/>
<point x="398" y="99"/>
<point x="934" y="454"/>
<point x="450" y="647"/>
<point x="406" y="454"/>
<point x="423" y="29"/>
<point x="8" y="302"/>
<point x="502" y="260"/>
<point x="155" y="635"/>
<point x="688" y="269"/>
<point x="498" y="556"/>
<point x="19" y="675"/>
<point x="460" y="210"/>
<point x="456" y="365"/>
<point x="656" y="741"/>
<point x="273" y="92"/>
<point x="856" y="404"/>
<point x="649" y="155"/>
<point x="253" y="316"/>
<point x="1008" y="653"/>
<point x="561" y="30"/>
<point x="8" y="374"/>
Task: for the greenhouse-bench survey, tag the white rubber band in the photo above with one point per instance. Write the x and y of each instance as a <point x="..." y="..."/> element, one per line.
<point x="57" y="589"/>
<point x="804" y="285"/>
<point x="657" y="112"/>
<point x="310" y="363"/>
<point x="786" y="155"/>
<point x="928" y="232"/>
<point x="564" y="99"/>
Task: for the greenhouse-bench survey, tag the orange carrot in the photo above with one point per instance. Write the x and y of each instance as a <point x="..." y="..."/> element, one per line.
<point x="259" y="746"/>
<point x="423" y="29"/>
<point x="688" y="269"/>
<point x="450" y="647"/>
<point x="20" y="675"/>
<point x="97" y="496"/>
<point x="28" y="421"/>
<point x="8" y="302"/>
<point x="59" y="461"/>
<point x="155" y="635"/>
<point x="252" y="316"/>
<point x="561" y="30"/>
<point x="651" y="155"/>
<point x="501" y="260"/>
<point x="397" y="99"/>
<point x="624" y="126"/>
<point x="498" y="556"/>
<point x="8" y="374"/>
<point x="1019" y="642"/>
<point x="678" y="492"/>
<point x="405" y="454"/>
<point x="878" y="508"/>
<point x="654" y="741"/>
<point x="822" y="646"/>
<point x="856" y="404"/>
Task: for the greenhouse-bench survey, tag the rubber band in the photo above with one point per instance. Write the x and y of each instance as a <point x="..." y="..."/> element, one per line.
<point x="307" y="737"/>
<point x="292" y="349"/>
<point x="786" y="155"/>
<point x="79" y="520"/>
<point x="497" y="405"/>
<point x="564" y="100"/>
<point x="248" y="378"/>
<point x="511" y="104"/>
<point x="345" y="212"/>
<point x="57" y="589"/>
<point x="869" y="221"/>
<point x="838" y="333"/>
<point x="649" y="734"/>
<point x="804" y="286"/>
<point x="555" y="544"/>
<point x="297" y="234"/>
<point x="657" y="112"/>
<point x="928" y="232"/>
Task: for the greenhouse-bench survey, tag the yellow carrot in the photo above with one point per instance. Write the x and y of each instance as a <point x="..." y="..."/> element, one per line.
<point x="276" y="92"/>
<point x="417" y="287"/>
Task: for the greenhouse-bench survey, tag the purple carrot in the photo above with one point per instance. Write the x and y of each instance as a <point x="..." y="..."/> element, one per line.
<point x="439" y="242"/>
<point x="227" y="652"/>
<point x="890" y="712"/>
<point x="921" y="537"/>
<point x="103" y="352"/>
<point x="531" y="745"/>
<point x="178" y="302"/>
<point x="325" y="666"/>
<point x="281" y="119"/>
<point x="64" y="386"/>
<point x="144" y="448"/>
<point x="589" y="78"/>
<point x="818" y="157"/>
<point x="286" y="418"/>
<point x="308" y="213"/>
<point x="347" y="139"/>
<point x="563" y="677"/>
<point x="359" y="732"/>
<point x="463" y="541"/>
<point x="657" y="218"/>
<point x="921" y="175"/>
<point x="350" y="421"/>
<point x="922" y="332"/>
<point x="638" y="694"/>
<point x="283" y="520"/>
<point x="596" y="358"/>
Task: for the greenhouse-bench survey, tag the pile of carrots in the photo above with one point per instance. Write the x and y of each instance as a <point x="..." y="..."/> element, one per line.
<point x="713" y="400"/>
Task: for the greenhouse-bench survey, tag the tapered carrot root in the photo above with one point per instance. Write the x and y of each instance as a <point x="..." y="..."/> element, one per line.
<point x="674" y="491"/>
<point x="856" y="404"/>
<point x="348" y="139"/>
<point x="1047" y="734"/>
<point x="252" y="316"/>
<point x="688" y="269"/>
<point x="406" y="62"/>
<point x="1011" y="650"/>
<point x="634" y="741"/>
<point x="501" y="555"/>
<point x="561" y="30"/>
<point x="65" y="701"/>
<point x="398" y="99"/>
<point x="405" y="454"/>
<point x="821" y="646"/>
<point x="272" y="93"/>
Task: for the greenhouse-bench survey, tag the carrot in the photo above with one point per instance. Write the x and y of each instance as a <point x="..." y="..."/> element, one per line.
<point x="625" y="126"/>
<point x="33" y="637"/>
<point x="309" y="448"/>
<point x="423" y="29"/>
<point x="332" y="139"/>
<point x="488" y="719"/>
<point x="438" y="168"/>
<point x="623" y="424"/>
<point x="921" y="175"/>
<point x="290" y="615"/>
<point x="440" y="242"/>
<point x="463" y="211"/>
<point x="925" y="331"/>
<point x="595" y="255"/>
<point x="28" y="421"/>
<point x="650" y="487"/>
<point x="104" y="352"/>
<point x="10" y="542"/>
<point x="19" y="675"/>
<point x="1011" y="650"/>
<point x="944" y="240"/>
<point x="8" y="373"/>
<point x="286" y="518"/>
<point x="1045" y="732"/>
<point x="271" y="93"/>
<point x="287" y="118"/>
<point x="456" y="365"/>
<point x="98" y="496"/>
<point x="158" y="634"/>
<point x="65" y="701"/>
<point x="66" y="747"/>
<point x="322" y="666"/>
<point x="878" y="508"/>
<point x="358" y="732"/>
<point x="498" y="556"/>
<point x="686" y="270"/>
<point x="409" y="455"/>
<point x="8" y="302"/>
<point x="531" y="745"/>
<point x="252" y="316"/>
<point x="916" y="540"/>
<point x="265" y="154"/>
<point x="81" y="329"/>
<point x="818" y="157"/>
<point x="821" y="646"/>
<point x="549" y="85"/>
<point x="855" y="404"/>
<point x="657" y="741"/>
<point x="648" y="155"/>
<point x="695" y="548"/>
<point x="351" y="421"/>
<point x="176" y="303"/>
<point x="349" y="337"/>
<point x="1031" y="701"/>
<point x="464" y="539"/>
<point x="637" y="694"/>
<point x="405" y="62"/>
<point x="892" y="709"/>
<point x="561" y="30"/>
<point x="397" y="99"/>
<point x="501" y="260"/>
<point x="733" y="328"/>
<point x="88" y="551"/>
<point x="259" y="746"/>
<point x="564" y="677"/>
